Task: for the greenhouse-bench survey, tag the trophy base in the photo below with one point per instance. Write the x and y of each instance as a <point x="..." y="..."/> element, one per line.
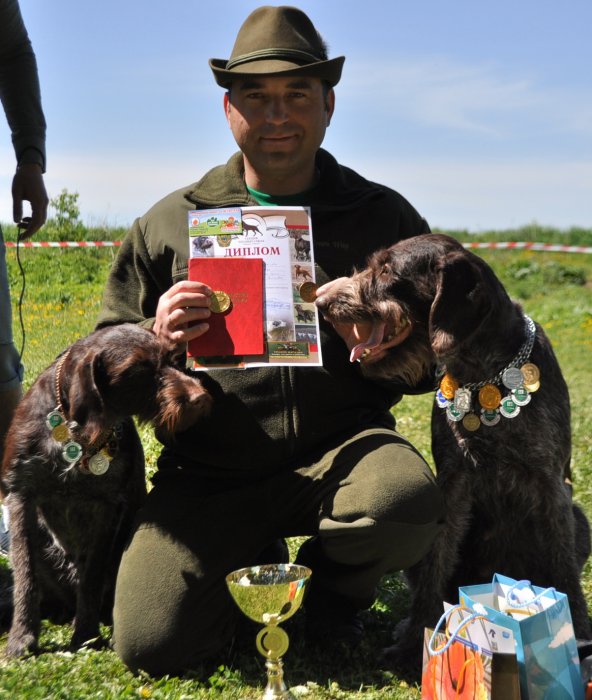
<point x="273" y="694"/>
<point x="276" y="688"/>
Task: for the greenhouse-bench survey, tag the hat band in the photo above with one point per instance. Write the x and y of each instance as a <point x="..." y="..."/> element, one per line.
<point x="297" y="56"/>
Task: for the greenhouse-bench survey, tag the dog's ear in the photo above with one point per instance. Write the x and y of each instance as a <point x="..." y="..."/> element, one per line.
<point x="84" y="395"/>
<point x="182" y="401"/>
<point x="462" y="301"/>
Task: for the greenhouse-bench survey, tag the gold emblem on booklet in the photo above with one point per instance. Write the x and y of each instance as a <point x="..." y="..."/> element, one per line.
<point x="219" y="302"/>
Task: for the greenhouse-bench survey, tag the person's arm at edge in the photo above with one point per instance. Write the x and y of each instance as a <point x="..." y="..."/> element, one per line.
<point x="21" y="98"/>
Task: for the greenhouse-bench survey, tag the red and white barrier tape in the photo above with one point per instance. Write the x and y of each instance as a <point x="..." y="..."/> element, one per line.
<point x="530" y="245"/>
<point x="62" y="244"/>
<point x="524" y="245"/>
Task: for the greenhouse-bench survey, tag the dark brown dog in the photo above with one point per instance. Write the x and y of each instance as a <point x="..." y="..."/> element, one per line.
<point x="70" y="517"/>
<point x="426" y="307"/>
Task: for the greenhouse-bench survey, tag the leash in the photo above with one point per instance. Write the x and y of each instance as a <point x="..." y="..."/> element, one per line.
<point x="19" y="237"/>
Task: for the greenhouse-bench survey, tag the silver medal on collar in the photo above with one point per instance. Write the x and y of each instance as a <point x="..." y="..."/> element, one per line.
<point x="98" y="464"/>
<point x="512" y="378"/>
<point x="462" y="399"/>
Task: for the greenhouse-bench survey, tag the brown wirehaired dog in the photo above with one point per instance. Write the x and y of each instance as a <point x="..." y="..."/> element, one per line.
<point x="501" y="437"/>
<point x="73" y="472"/>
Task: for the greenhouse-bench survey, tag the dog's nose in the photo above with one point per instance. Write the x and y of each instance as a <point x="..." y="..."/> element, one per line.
<point x="327" y="292"/>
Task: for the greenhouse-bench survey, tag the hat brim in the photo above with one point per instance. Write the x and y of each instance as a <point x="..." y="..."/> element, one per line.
<point x="329" y="71"/>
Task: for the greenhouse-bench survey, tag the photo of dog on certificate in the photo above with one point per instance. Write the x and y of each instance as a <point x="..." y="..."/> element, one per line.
<point x="501" y="435"/>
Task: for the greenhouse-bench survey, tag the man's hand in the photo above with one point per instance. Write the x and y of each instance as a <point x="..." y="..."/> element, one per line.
<point x="184" y="304"/>
<point x="28" y="185"/>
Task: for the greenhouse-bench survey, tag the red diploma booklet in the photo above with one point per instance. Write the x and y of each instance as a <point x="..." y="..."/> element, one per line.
<point x="239" y="329"/>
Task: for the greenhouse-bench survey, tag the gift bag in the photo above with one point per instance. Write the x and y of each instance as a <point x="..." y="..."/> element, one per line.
<point x="459" y="663"/>
<point x="545" y="642"/>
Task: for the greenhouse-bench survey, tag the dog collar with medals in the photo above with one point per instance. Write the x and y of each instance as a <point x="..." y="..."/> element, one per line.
<point x="95" y="461"/>
<point x="502" y="396"/>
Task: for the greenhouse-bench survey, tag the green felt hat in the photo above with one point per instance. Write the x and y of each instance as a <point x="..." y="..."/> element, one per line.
<point x="278" y="41"/>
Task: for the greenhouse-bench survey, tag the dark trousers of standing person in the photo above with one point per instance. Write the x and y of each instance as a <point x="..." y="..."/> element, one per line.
<point x="11" y="369"/>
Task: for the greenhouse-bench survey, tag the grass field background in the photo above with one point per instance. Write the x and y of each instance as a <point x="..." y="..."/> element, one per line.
<point x="60" y="304"/>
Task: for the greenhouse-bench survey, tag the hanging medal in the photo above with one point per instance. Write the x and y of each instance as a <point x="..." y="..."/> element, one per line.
<point x="462" y="399"/>
<point x="490" y="417"/>
<point x="72" y="452"/>
<point x="99" y="463"/>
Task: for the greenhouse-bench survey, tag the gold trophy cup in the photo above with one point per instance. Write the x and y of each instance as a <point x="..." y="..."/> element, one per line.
<point x="270" y="594"/>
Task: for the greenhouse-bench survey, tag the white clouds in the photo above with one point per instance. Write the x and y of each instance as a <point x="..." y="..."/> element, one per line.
<point x="482" y="98"/>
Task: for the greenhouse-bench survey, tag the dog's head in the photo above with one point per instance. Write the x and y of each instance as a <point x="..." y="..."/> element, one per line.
<point x="124" y="371"/>
<point x="417" y="304"/>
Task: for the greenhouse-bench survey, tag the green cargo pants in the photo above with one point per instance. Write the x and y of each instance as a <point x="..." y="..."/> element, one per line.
<point x="372" y="504"/>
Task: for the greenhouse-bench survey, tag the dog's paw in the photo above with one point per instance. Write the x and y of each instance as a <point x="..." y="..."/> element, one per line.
<point x="21" y="645"/>
<point x="402" y="631"/>
<point x="402" y="659"/>
<point x="404" y="656"/>
<point x="89" y="637"/>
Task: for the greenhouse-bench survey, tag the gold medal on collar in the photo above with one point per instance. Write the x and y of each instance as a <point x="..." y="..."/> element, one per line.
<point x="531" y="373"/>
<point x="471" y="422"/>
<point x="448" y="386"/>
<point x="60" y="432"/>
<point x="490" y="396"/>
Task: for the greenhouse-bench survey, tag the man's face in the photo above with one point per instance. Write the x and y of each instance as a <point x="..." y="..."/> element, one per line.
<point x="279" y="124"/>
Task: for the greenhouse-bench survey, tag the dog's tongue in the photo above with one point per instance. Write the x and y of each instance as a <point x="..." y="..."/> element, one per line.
<point x="374" y="339"/>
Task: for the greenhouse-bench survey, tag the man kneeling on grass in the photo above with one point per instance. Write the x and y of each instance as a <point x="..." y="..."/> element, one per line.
<point x="287" y="451"/>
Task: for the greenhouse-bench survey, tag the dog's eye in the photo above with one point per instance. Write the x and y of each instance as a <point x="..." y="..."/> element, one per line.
<point x="386" y="269"/>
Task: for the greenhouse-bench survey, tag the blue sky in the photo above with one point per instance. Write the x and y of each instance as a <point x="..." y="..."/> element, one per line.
<point x="479" y="113"/>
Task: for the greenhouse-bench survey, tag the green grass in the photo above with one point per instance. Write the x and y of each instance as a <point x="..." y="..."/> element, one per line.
<point x="62" y="299"/>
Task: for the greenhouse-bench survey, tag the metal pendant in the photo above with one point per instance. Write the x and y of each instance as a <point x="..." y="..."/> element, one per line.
<point x="521" y="396"/>
<point x="531" y="373"/>
<point x="512" y="378"/>
<point x="72" y="452"/>
<point x="490" y="396"/>
<point x="490" y="417"/>
<point x="98" y="464"/>
<point x="453" y="413"/>
<point x="462" y="399"/>
<point x="441" y="400"/>
<point x="509" y="408"/>
<point x="471" y="422"/>
<point x="53" y="419"/>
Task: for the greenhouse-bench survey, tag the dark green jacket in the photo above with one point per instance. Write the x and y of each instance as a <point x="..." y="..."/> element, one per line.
<point x="266" y="419"/>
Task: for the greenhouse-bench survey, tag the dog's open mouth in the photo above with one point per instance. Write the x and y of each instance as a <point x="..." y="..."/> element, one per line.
<point x="368" y="341"/>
